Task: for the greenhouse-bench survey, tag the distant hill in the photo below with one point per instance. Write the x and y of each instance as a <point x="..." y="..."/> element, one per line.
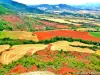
<point x="58" y="7"/>
<point x="89" y="6"/>
<point x="19" y="7"/>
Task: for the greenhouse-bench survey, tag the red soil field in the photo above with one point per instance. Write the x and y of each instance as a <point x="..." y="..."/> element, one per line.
<point x="12" y="19"/>
<point x="20" y="69"/>
<point x="49" y="23"/>
<point x="65" y="70"/>
<point x="39" y="27"/>
<point x="57" y="25"/>
<point x="46" y="35"/>
<point x="61" y="26"/>
<point x="33" y="68"/>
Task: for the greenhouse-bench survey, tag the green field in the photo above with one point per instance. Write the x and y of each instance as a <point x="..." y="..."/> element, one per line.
<point x="96" y="34"/>
<point x="6" y="35"/>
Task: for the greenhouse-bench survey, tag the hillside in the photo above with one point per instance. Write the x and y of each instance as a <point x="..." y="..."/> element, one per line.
<point x="89" y="6"/>
<point x="19" y="7"/>
<point x="57" y="7"/>
<point x="4" y="10"/>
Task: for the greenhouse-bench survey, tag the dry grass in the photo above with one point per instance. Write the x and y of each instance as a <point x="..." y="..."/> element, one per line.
<point x="4" y="47"/>
<point x="23" y="35"/>
<point x="18" y="51"/>
<point x="86" y="29"/>
<point x="58" y="20"/>
<point x="64" y="45"/>
<point x="98" y="52"/>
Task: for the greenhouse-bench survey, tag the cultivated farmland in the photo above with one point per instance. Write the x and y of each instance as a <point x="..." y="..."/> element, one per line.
<point x="49" y="43"/>
<point x="66" y="33"/>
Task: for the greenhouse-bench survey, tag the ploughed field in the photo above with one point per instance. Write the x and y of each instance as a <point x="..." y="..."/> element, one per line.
<point x="45" y="35"/>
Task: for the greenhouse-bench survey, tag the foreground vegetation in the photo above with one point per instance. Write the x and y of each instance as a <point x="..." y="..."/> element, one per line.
<point x="5" y="11"/>
<point x="5" y="25"/>
<point x="56" y="61"/>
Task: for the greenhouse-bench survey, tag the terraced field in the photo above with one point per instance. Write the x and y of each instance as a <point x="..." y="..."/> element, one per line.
<point x="53" y="47"/>
<point x="18" y="51"/>
<point x="56" y="58"/>
<point x="58" y="55"/>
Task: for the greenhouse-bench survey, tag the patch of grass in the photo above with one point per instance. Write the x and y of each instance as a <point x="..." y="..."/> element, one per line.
<point x="7" y="35"/>
<point x="95" y="34"/>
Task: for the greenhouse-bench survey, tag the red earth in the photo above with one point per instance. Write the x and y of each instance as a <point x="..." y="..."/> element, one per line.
<point x="12" y="19"/>
<point x="48" y="55"/>
<point x="53" y="24"/>
<point x="51" y="70"/>
<point x="33" y="68"/>
<point x="61" y="26"/>
<point x="49" y="23"/>
<point x="39" y="27"/>
<point x="66" y="70"/>
<point x="18" y="69"/>
<point x="47" y="35"/>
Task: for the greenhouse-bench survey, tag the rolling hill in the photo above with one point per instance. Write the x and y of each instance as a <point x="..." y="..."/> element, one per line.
<point x="57" y="7"/>
<point x="19" y="7"/>
<point x="89" y="6"/>
<point x="4" y="10"/>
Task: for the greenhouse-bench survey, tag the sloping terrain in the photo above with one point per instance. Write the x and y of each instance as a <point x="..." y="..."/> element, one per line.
<point x="4" y="47"/>
<point x="36" y="44"/>
<point x="18" y="51"/>
<point x="56" y="7"/>
<point x="4" y="10"/>
<point x="44" y="59"/>
<point x="19" y="7"/>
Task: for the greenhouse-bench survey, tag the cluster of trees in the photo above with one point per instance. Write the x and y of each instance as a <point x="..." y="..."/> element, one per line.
<point x="80" y="15"/>
<point x="50" y="28"/>
<point x="4" y="10"/>
<point x="5" y="25"/>
<point x="90" y="47"/>
<point x="17" y="41"/>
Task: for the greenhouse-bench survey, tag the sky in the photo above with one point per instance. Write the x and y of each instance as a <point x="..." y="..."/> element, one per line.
<point x="70" y="2"/>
